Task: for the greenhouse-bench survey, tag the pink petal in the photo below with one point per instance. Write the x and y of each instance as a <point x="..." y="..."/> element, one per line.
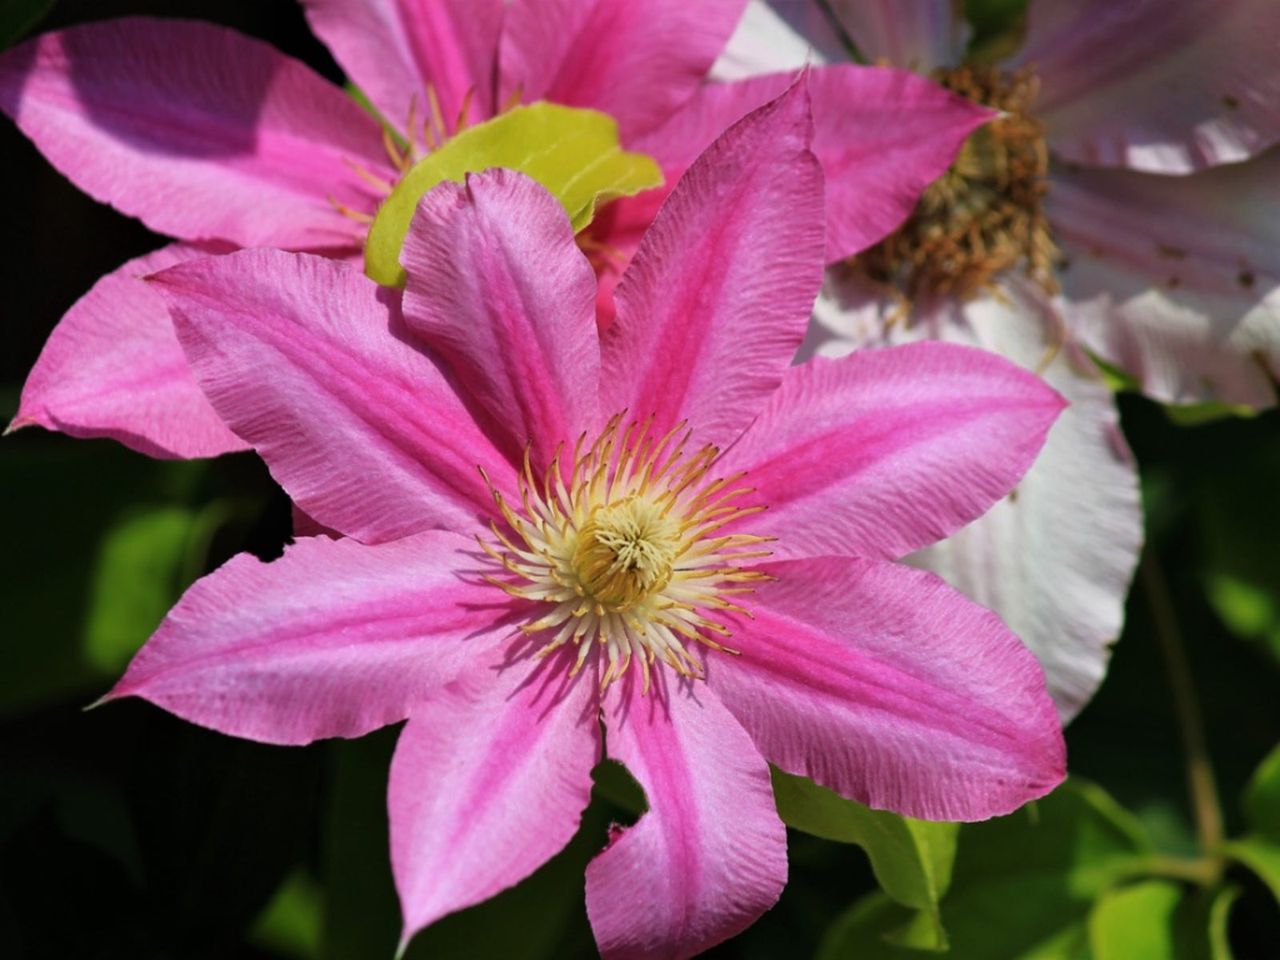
<point x="498" y="288"/>
<point x="612" y="240"/>
<point x="309" y="361"/>
<point x="637" y="61"/>
<point x="710" y="855"/>
<point x="113" y="368"/>
<point x="393" y="50"/>
<point x="305" y="525"/>
<point x="715" y="301"/>
<point x="782" y="35"/>
<point x="886" y="685"/>
<point x="1177" y="280"/>
<point x="488" y="782"/>
<point x="334" y="639"/>
<point x="917" y="34"/>
<point x="200" y="132"/>
<point x="1061" y="587"/>
<point x="886" y="451"/>
<point x="1157" y="86"/>
<point x="882" y="136"/>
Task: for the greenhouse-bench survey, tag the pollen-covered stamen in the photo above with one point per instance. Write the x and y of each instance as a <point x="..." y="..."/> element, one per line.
<point x="985" y="214"/>
<point x="626" y="551"/>
<point x="623" y="546"/>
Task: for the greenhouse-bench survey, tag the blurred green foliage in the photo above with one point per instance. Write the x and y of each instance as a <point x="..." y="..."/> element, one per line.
<point x="911" y="859"/>
<point x="18" y="17"/>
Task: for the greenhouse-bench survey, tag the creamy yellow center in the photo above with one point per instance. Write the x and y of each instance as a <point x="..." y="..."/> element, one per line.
<point x="625" y="547"/>
<point x="626" y="551"/>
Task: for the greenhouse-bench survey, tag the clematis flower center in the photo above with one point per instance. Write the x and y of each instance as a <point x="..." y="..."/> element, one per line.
<point x="623" y="548"/>
<point x="626" y="551"/>
<point x="985" y="214"/>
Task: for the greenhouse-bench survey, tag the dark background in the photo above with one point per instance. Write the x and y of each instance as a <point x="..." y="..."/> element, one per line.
<point x="127" y="833"/>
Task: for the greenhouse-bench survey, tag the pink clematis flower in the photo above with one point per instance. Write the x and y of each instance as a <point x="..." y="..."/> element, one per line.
<point x="1122" y="207"/>
<point x="612" y="559"/>
<point x="218" y="139"/>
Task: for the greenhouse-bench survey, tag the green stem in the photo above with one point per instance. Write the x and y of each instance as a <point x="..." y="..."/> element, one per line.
<point x="1201" y="784"/>
<point x="1204" y="871"/>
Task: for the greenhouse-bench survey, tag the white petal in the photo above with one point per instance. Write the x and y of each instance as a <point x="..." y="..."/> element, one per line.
<point x="1056" y="557"/>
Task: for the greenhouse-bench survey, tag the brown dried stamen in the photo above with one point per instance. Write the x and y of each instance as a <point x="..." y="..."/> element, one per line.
<point x="984" y="215"/>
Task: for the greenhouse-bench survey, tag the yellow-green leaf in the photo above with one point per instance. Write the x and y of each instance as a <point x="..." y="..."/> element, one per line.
<point x="574" y="153"/>
<point x="1262" y="798"/>
<point x="1136" y="922"/>
<point x="911" y="859"/>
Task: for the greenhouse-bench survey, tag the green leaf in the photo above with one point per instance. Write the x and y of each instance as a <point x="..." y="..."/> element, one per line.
<point x="1260" y="855"/>
<point x="1022" y="886"/>
<point x="1161" y="920"/>
<point x="1195" y="414"/>
<point x="290" y="924"/>
<point x="574" y="153"/>
<point x="136" y="580"/>
<point x="911" y="859"/>
<point x="1262" y="797"/>
<point x="90" y="576"/>
<point x="1136" y="922"/>
<point x="18" y="17"/>
<point x="1219" y="914"/>
<point x="1116" y="378"/>
<point x="864" y="931"/>
<point x="1239" y="570"/>
<point x="1247" y="609"/>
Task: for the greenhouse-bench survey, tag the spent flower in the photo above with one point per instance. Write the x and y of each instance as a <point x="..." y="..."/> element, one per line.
<point x="1119" y="207"/>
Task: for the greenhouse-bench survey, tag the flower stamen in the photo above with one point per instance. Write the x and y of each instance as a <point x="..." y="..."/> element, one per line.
<point x="985" y="214"/>
<point x="618" y="543"/>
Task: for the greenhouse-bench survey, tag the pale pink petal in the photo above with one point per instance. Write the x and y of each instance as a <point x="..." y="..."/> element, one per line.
<point x="710" y="854"/>
<point x="716" y="300"/>
<point x="1177" y="279"/>
<point x="1157" y="86"/>
<point x="200" y="132"/>
<point x="334" y="639"/>
<point x="113" y="368"/>
<point x="886" y="451"/>
<point x="882" y="136"/>
<point x="916" y="34"/>
<point x="393" y="50"/>
<point x="886" y="685"/>
<point x="1054" y="558"/>
<point x="498" y="288"/>
<point x="637" y="61"/>
<point x="309" y="361"/>
<point x="488" y="782"/>
<point x="781" y="35"/>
